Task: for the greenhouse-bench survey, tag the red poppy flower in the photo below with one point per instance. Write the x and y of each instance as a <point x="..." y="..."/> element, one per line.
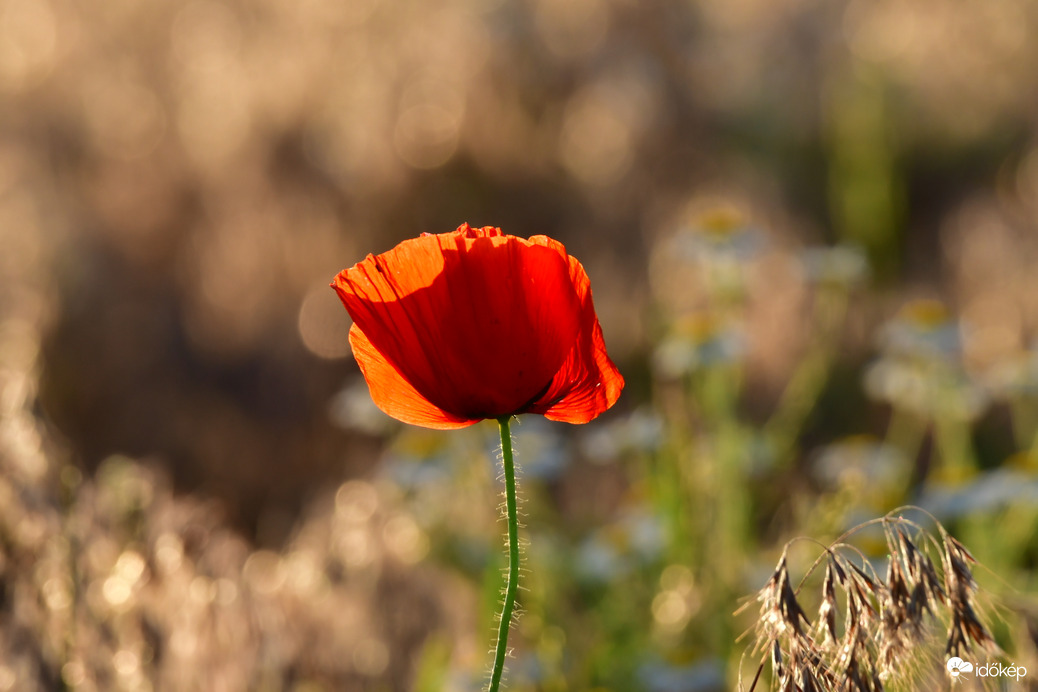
<point x="453" y="328"/>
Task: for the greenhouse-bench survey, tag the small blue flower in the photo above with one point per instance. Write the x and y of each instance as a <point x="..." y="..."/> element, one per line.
<point x="696" y="343"/>
<point x="641" y="431"/>
<point x="861" y="460"/>
<point x="987" y="492"/>
<point x="658" y="676"/>
<point x="922" y="329"/>
<point x="718" y="233"/>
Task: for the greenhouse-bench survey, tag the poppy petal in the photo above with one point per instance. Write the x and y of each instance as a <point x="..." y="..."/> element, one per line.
<point x="588" y="382"/>
<point x="394" y="394"/>
<point x="477" y="322"/>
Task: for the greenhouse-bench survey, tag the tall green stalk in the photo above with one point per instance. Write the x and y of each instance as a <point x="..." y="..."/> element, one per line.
<point x="512" y="585"/>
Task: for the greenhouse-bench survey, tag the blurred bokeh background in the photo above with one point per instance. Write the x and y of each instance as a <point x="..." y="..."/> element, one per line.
<point x="810" y="226"/>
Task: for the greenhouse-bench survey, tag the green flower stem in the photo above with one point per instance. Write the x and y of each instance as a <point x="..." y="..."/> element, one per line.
<point x="955" y="443"/>
<point x="810" y="377"/>
<point x="906" y="432"/>
<point x="512" y="584"/>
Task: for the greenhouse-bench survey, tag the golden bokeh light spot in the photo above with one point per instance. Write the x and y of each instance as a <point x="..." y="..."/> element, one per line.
<point x="356" y="547"/>
<point x="126" y="663"/>
<point x="169" y="552"/>
<point x="30" y="530"/>
<point x="202" y="590"/>
<point x="117" y="591"/>
<point x="214" y="119"/>
<point x="73" y="673"/>
<point x="302" y="571"/>
<point x="356" y="501"/>
<point x="130" y="566"/>
<point x="57" y="593"/>
<point x="676" y="578"/>
<point x="370" y="657"/>
<point x="28" y="38"/>
<point x="405" y="539"/>
<point x="426" y="135"/>
<point x="669" y="608"/>
<point x="206" y="36"/>
<point x="264" y="571"/>
<point x="880" y="32"/>
<point x="322" y="326"/>
<point x="596" y="143"/>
